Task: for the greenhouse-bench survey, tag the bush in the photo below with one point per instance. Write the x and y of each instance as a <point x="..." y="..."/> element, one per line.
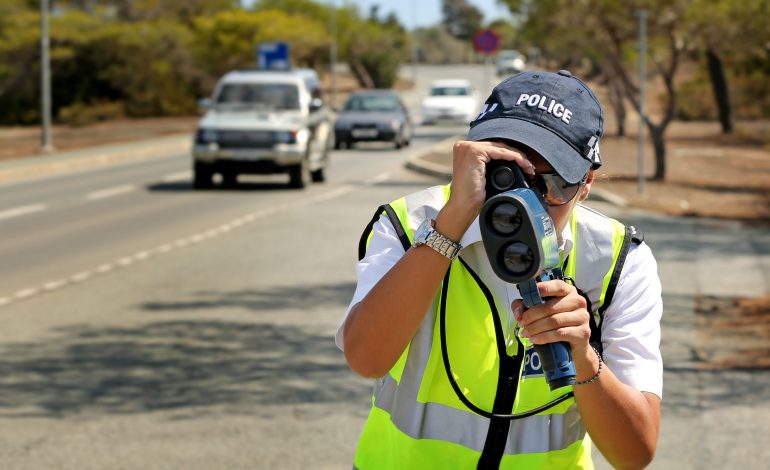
<point x="696" y="101"/>
<point x="81" y="114"/>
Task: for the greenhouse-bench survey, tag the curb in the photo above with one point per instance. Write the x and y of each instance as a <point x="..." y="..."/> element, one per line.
<point x="40" y="166"/>
<point x="420" y="164"/>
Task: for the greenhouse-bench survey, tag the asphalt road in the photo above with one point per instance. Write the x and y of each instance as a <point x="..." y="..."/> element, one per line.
<point x="158" y="327"/>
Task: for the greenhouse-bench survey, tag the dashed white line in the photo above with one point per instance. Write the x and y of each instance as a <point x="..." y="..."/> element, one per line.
<point x="81" y="276"/>
<point x="164" y="248"/>
<point x="379" y="178"/>
<point x="17" y="211"/>
<point x="109" y="192"/>
<point x="53" y="285"/>
<point x="24" y="293"/>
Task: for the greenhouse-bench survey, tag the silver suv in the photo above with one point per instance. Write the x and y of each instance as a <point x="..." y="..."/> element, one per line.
<point x="264" y="122"/>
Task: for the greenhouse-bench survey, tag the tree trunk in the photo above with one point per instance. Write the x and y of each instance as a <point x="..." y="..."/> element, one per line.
<point x="719" y="85"/>
<point x="659" y="144"/>
<point x="362" y="75"/>
<point x="618" y="106"/>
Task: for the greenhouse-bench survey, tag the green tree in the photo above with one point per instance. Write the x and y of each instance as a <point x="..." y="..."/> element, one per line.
<point x="437" y="46"/>
<point x="373" y="48"/>
<point x="144" y="10"/>
<point x="228" y="40"/>
<point x="19" y="59"/>
<point x="460" y="18"/>
<point x="609" y="28"/>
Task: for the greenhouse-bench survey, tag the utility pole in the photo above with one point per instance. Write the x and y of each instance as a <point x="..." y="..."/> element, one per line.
<point x="414" y="42"/>
<point x="45" y="79"/>
<point x="642" y="79"/>
<point x="333" y="52"/>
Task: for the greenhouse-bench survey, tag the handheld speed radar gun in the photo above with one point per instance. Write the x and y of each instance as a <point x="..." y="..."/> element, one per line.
<point x="520" y="241"/>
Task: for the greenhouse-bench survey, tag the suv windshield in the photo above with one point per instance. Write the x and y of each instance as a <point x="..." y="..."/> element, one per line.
<point x="261" y="95"/>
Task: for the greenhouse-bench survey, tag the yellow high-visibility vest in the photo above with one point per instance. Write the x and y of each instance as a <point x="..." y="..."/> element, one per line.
<point x="418" y="422"/>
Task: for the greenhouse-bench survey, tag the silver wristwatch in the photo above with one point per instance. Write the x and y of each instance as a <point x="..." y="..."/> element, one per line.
<point x="426" y="234"/>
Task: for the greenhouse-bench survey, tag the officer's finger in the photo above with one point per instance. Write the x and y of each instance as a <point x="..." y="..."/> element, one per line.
<point x="574" y="334"/>
<point x="555" y="288"/>
<point x="570" y="319"/>
<point x="501" y="151"/>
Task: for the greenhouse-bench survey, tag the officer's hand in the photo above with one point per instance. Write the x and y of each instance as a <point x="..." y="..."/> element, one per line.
<point x="563" y="317"/>
<point x="469" y="179"/>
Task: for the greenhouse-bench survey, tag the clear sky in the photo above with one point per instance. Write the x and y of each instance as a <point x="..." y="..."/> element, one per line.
<point x="418" y="13"/>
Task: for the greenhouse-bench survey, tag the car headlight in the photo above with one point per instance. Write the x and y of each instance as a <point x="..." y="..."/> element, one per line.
<point x="206" y="136"/>
<point x="395" y="124"/>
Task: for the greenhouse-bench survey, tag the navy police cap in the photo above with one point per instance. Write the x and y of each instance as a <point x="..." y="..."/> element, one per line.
<point x="554" y="114"/>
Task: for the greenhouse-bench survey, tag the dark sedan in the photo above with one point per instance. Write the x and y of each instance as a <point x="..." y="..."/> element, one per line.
<point x="373" y="115"/>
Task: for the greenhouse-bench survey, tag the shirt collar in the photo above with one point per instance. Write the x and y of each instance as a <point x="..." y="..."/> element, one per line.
<point x="473" y="235"/>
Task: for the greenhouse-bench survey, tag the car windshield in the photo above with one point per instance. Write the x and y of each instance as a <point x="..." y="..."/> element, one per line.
<point x="509" y="55"/>
<point x="259" y="95"/>
<point x="449" y="91"/>
<point x="372" y="103"/>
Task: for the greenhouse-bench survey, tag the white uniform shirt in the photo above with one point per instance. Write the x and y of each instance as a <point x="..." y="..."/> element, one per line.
<point x="630" y="326"/>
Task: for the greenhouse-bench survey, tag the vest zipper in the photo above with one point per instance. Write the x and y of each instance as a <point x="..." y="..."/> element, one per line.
<point x="507" y="387"/>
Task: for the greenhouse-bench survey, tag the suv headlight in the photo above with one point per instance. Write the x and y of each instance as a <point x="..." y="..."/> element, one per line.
<point x="206" y="136"/>
<point x="285" y="137"/>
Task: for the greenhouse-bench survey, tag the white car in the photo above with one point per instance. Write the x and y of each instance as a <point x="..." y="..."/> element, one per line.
<point x="450" y="99"/>
<point x="510" y="62"/>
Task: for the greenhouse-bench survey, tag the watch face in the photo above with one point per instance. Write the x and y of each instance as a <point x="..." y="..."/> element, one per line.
<point x="422" y="232"/>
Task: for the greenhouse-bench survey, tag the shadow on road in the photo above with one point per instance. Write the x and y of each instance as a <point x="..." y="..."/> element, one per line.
<point x="185" y="365"/>
<point x="186" y="186"/>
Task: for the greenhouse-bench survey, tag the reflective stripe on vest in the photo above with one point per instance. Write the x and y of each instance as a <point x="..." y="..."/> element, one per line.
<point x="417" y="420"/>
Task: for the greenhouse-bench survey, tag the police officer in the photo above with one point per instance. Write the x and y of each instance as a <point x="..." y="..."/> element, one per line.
<point x="423" y="268"/>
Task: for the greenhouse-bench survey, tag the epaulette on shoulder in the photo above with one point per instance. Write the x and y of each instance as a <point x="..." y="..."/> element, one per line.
<point x="637" y="236"/>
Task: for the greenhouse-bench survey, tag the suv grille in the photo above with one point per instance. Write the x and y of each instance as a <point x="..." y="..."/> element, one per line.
<point x="245" y="139"/>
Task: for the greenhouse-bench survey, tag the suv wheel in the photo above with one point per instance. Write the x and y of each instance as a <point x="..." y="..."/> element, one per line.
<point x="319" y="175"/>
<point x="202" y="175"/>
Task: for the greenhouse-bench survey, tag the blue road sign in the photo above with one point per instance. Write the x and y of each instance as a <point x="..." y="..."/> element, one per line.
<point x="273" y="56"/>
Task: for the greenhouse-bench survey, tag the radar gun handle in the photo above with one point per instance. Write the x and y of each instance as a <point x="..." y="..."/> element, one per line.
<point x="555" y="357"/>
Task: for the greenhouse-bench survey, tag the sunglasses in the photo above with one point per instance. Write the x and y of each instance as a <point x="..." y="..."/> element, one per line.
<point x="553" y="188"/>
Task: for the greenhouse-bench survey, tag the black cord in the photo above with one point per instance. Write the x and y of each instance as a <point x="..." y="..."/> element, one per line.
<point x="453" y="383"/>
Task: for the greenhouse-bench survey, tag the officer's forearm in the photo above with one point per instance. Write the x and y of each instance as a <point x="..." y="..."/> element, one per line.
<point x="379" y="328"/>
<point x="623" y="422"/>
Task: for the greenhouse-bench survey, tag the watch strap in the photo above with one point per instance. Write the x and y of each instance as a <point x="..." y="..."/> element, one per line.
<point x="440" y="243"/>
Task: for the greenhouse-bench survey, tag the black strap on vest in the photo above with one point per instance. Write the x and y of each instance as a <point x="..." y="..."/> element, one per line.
<point x="391" y="213"/>
<point x="632" y="235"/>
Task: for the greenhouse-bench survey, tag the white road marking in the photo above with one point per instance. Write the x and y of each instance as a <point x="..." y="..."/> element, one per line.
<point x="17" y="211"/>
<point x="109" y="192"/>
<point x="126" y="261"/>
<point x="24" y="293"/>
<point x="53" y="285"/>
<point x="379" y="178"/>
<point x="81" y="276"/>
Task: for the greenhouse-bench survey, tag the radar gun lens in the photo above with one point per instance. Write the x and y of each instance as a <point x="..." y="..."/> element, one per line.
<point x="502" y="178"/>
<point x="518" y="258"/>
<point x="506" y="218"/>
